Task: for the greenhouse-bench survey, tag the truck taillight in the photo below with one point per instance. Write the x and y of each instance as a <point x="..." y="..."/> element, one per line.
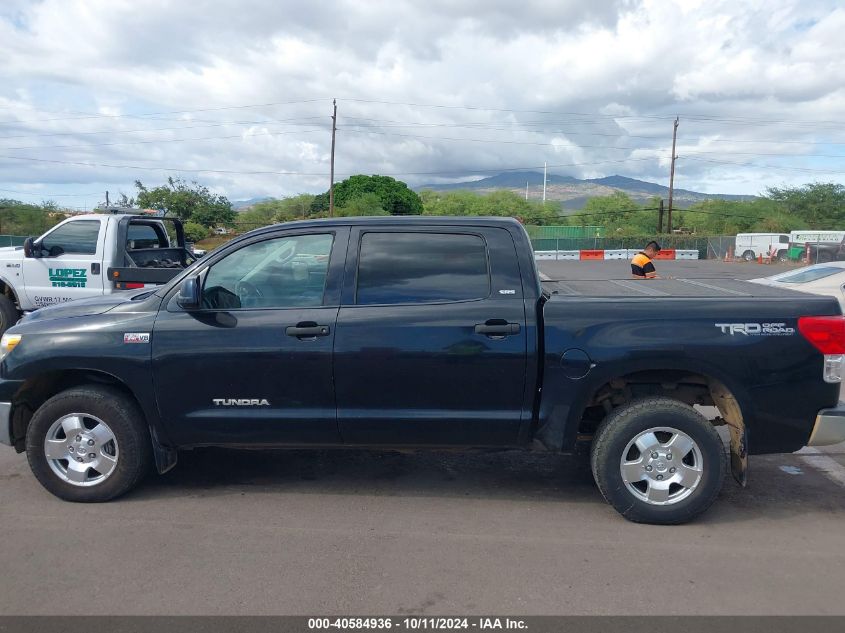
<point x="827" y="334"/>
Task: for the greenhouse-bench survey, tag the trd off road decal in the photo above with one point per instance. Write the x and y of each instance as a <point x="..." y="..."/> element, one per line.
<point x="756" y="329"/>
<point x="68" y="277"/>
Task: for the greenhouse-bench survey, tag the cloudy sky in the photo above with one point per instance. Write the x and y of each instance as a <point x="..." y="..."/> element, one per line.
<point x="95" y="94"/>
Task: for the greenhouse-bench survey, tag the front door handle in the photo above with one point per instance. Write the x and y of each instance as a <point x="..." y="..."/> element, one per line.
<point x="307" y="329"/>
<point x="497" y="327"/>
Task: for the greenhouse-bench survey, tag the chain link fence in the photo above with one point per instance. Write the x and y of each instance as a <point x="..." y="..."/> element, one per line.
<point x="712" y="247"/>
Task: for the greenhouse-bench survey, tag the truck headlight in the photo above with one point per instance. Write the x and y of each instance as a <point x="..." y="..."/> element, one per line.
<point x="8" y="343"/>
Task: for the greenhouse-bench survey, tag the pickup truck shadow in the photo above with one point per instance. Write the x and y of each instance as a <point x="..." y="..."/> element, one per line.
<point x="495" y="475"/>
<point x="780" y="486"/>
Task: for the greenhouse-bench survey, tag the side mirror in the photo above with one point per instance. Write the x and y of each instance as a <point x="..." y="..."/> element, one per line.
<point x="189" y="294"/>
<point x="29" y="249"/>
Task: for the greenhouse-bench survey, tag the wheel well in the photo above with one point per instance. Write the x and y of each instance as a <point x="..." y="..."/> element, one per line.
<point x="36" y="391"/>
<point x="7" y="291"/>
<point x="688" y="387"/>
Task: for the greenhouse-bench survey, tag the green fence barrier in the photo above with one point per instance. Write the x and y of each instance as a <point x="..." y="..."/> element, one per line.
<point x="12" y="240"/>
<point x="557" y="232"/>
<point x="708" y="247"/>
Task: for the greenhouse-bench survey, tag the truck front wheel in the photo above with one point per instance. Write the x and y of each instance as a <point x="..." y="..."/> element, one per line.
<point x="88" y="444"/>
<point x="658" y="460"/>
<point x="9" y="314"/>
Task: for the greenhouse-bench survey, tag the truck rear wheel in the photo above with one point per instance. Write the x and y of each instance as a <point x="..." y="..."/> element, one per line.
<point x="88" y="444"/>
<point x="9" y="314"/>
<point x="658" y="460"/>
<point x="748" y="256"/>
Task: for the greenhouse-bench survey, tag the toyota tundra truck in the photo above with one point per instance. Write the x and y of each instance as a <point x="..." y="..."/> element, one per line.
<point x="87" y="256"/>
<point x="423" y="333"/>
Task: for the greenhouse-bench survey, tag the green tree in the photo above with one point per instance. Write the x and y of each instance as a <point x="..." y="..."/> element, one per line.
<point x="612" y="211"/>
<point x="395" y="196"/>
<point x="258" y="215"/>
<point x="284" y="209"/>
<point x="365" y="204"/>
<point x="819" y="205"/>
<point x="19" y="218"/>
<point x="187" y="201"/>
<point x="195" y="232"/>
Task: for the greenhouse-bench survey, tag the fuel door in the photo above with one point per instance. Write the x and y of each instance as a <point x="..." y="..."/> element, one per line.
<point x="576" y="363"/>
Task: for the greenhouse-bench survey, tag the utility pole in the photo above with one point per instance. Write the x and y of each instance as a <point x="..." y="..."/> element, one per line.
<point x="526" y="190"/>
<point x="331" y="177"/>
<point x="660" y="217"/>
<point x="672" y="175"/>
<point x="107" y="199"/>
<point x="544" y="183"/>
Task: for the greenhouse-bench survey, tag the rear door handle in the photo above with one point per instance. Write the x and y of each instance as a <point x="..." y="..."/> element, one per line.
<point x="307" y="330"/>
<point x="497" y="327"/>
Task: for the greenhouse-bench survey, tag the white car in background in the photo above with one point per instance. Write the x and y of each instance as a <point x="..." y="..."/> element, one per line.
<point x="820" y="279"/>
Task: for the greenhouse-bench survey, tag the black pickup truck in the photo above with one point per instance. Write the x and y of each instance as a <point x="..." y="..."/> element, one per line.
<point x="423" y="333"/>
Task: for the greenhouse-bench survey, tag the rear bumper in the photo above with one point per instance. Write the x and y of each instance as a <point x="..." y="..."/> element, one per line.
<point x="829" y="427"/>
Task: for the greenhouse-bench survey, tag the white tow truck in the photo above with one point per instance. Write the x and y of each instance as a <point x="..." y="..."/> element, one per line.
<point x="89" y="255"/>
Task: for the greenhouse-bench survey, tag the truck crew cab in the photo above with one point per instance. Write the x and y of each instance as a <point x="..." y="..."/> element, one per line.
<point x="422" y="332"/>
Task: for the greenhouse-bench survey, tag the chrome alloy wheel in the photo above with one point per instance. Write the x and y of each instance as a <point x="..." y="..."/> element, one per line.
<point x="81" y="449"/>
<point x="662" y="466"/>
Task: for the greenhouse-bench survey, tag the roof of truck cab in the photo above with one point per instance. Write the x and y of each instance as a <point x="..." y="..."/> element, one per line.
<point x="411" y="220"/>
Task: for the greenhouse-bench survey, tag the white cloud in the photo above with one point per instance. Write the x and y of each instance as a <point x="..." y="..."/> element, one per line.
<point x="590" y="82"/>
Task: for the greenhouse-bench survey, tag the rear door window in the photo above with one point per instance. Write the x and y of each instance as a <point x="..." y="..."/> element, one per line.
<point x="144" y="236"/>
<point x="421" y="267"/>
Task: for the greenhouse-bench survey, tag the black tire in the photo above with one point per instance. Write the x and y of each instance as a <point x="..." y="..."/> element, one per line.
<point x="124" y="420"/>
<point x="783" y="256"/>
<point x="9" y="314"/>
<point x="623" y="425"/>
<point x="748" y="256"/>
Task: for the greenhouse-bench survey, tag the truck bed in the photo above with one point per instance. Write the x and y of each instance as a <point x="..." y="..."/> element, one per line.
<point x="701" y="288"/>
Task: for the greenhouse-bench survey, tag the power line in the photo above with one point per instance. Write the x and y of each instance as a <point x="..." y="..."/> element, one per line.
<point x="696" y="116"/>
<point x="51" y="195"/>
<point x="146" y="114"/>
<point x="498" y="127"/>
<point x="481" y="140"/>
<point x="802" y="169"/>
<point x="167" y="129"/>
<point x="462" y="172"/>
<point x="434" y="138"/>
<point x="579" y="146"/>
<point x="166" y="140"/>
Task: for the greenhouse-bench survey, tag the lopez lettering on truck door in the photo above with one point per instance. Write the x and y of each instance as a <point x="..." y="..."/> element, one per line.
<point x="68" y="277"/>
<point x="70" y="266"/>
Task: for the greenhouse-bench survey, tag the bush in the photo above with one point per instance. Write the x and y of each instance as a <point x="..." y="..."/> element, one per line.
<point x="195" y="232"/>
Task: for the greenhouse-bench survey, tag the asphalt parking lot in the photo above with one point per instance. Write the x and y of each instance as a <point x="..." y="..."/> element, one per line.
<point x="362" y="532"/>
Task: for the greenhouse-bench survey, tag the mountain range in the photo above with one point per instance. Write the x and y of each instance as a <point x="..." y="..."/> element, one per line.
<point x="574" y="192"/>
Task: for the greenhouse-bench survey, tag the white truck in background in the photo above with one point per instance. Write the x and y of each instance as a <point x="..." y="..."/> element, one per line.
<point x="87" y="256"/>
<point x="751" y="246"/>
